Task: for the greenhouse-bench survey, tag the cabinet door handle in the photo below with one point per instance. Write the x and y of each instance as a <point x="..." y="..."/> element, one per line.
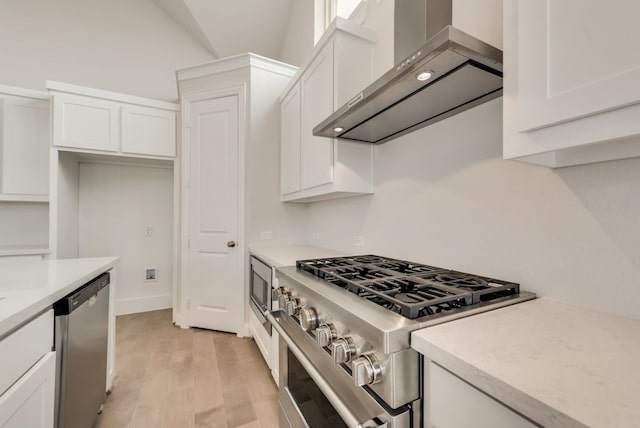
<point x="231" y="244"/>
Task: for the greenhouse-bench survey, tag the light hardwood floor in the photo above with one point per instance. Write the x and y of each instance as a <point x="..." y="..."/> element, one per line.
<point x="174" y="378"/>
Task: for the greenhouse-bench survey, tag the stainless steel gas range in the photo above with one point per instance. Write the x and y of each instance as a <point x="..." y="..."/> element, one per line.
<point x="345" y="324"/>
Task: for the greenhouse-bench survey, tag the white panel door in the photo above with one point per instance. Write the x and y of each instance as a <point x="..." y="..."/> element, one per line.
<point x="575" y="58"/>
<point x="214" y="277"/>
<point x="316" y="105"/>
<point x="148" y="131"/>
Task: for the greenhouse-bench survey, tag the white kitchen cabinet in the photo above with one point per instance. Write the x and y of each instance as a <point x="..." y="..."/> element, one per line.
<point x="317" y="168"/>
<point x="24" y="146"/>
<point x="30" y="401"/>
<point x="290" y="141"/>
<point x="86" y="123"/>
<point x="450" y="402"/>
<point x="148" y="131"/>
<point x="571" y="93"/>
<point x="316" y="104"/>
<point x="27" y="378"/>
<point x="95" y="121"/>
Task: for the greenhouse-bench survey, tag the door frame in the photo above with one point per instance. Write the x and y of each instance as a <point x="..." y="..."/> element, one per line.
<point x="181" y="317"/>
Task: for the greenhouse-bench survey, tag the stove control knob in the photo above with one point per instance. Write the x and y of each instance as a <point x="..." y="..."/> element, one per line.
<point x="343" y="350"/>
<point x="283" y="298"/>
<point x="366" y="370"/>
<point x="308" y="318"/>
<point x="325" y="334"/>
<point x="292" y="306"/>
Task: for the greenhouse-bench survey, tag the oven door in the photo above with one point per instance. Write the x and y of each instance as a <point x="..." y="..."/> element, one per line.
<point x="260" y="285"/>
<point x="315" y="392"/>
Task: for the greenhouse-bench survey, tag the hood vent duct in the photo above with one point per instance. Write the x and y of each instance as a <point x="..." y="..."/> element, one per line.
<point x="450" y="73"/>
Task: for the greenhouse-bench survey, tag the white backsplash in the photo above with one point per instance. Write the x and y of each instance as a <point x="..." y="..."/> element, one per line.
<point x="444" y="196"/>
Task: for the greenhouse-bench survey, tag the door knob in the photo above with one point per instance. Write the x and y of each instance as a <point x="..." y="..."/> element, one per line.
<point x="231" y="244"/>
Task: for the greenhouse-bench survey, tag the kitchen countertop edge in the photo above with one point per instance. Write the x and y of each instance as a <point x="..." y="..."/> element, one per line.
<point x="15" y="320"/>
<point x="490" y="352"/>
<point x="278" y="255"/>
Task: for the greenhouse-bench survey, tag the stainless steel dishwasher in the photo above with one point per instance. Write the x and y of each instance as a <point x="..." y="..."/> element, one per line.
<point x="81" y="344"/>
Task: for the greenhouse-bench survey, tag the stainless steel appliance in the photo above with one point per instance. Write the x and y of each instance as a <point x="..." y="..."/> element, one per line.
<point x="260" y="284"/>
<point x="440" y="71"/>
<point x="345" y="325"/>
<point x="81" y="326"/>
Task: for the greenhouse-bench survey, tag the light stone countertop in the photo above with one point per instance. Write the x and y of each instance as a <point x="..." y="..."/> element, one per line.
<point x="557" y="364"/>
<point x="286" y="255"/>
<point x="27" y="287"/>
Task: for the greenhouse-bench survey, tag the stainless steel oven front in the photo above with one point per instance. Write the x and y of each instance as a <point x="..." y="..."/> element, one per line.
<point x="260" y="285"/>
<point x="314" y="392"/>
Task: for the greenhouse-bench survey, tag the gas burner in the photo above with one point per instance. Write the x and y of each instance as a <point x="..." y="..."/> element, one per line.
<point x="459" y="279"/>
<point x="411" y="289"/>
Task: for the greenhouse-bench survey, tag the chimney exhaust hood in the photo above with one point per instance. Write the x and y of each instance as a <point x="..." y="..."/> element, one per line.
<point x="450" y="73"/>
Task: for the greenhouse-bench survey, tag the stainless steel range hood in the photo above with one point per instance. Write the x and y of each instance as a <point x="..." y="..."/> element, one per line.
<point x="452" y="72"/>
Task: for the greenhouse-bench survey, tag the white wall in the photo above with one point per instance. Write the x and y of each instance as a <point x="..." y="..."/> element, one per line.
<point x="444" y="196"/>
<point x="116" y="205"/>
<point x="299" y="34"/>
<point x="128" y="46"/>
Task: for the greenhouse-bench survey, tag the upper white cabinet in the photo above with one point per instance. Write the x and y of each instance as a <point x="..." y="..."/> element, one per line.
<point x="104" y="122"/>
<point x="317" y="168"/>
<point x="290" y="141"/>
<point x="148" y="131"/>
<point x="316" y="104"/>
<point x="571" y="92"/>
<point x="86" y="123"/>
<point x="24" y="144"/>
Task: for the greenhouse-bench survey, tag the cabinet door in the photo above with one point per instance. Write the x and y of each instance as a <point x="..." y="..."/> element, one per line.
<point x="316" y="104"/>
<point x="25" y="146"/>
<point x="572" y="65"/>
<point x="30" y="401"/>
<point x="86" y="123"/>
<point x="290" y="142"/>
<point x="453" y="403"/>
<point x="148" y="131"/>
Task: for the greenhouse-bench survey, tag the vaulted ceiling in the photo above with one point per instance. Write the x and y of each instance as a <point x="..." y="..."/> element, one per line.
<point x="231" y="27"/>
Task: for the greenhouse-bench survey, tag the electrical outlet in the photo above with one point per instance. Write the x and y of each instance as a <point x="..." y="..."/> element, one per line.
<point x="151" y="274"/>
<point x="316" y="236"/>
<point x="267" y="235"/>
<point x="148" y="232"/>
<point x="358" y="241"/>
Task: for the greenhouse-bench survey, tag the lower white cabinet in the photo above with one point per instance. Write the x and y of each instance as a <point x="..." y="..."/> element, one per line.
<point x="275" y="356"/>
<point x="261" y="337"/>
<point x="451" y="402"/>
<point x="30" y="401"/>
<point x="27" y="375"/>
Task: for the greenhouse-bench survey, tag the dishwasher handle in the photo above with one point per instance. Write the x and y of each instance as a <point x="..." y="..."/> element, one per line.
<point x="72" y="301"/>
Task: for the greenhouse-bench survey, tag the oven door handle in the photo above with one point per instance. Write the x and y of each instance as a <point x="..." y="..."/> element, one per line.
<point x="326" y="389"/>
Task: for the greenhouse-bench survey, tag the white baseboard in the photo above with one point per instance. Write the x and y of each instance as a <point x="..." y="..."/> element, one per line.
<point x="143" y="304"/>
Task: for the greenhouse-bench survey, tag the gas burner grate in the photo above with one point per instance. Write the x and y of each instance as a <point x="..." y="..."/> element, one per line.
<point x="410" y="289"/>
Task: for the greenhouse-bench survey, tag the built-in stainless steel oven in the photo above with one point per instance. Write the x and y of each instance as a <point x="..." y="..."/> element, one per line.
<point x="260" y="284"/>
<point x="312" y="393"/>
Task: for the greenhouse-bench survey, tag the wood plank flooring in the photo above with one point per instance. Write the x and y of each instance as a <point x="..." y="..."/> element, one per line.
<point x="167" y="377"/>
